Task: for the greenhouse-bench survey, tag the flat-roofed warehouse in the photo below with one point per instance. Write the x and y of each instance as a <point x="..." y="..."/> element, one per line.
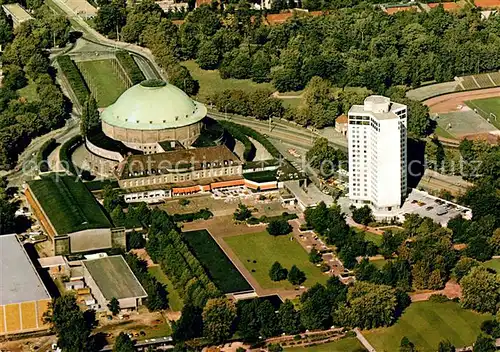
<point x="111" y="277"/>
<point x="71" y="216"/>
<point x="23" y="296"/>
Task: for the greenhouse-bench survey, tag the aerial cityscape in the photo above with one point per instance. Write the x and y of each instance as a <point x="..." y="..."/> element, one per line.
<point x="249" y="176"/>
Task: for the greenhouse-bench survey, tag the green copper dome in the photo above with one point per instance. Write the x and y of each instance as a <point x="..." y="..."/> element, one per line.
<point x="153" y="105"/>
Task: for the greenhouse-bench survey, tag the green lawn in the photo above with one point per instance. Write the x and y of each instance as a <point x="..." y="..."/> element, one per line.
<point x="218" y="266"/>
<point x="486" y="107"/>
<point x="440" y="131"/>
<point x="211" y="82"/>
<point x="29" y="92"/>
<point x="104" y="80"/>
<point x="265" y="249"/>
<point x="493" y="264"/>
<point x="379" y="263"/>
<point x="174" y="299"/>
<point x="350" y="344"/>
<point x="371" y="237"/>
<point x="426" y="324"/>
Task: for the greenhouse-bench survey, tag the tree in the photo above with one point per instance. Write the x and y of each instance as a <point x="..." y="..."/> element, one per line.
<point x="463" y="267"/>
<point x="296" y="276"/>
<point x="315" y="257"/>
<point x="242" y="213"/>
<point x="123" y="343"/>
<point x="114" y="306"/>
<point x="90" y="116"/>
<point x="110" y="19"/>
<point x="277" y="272"/>
<point x="406" y="345"/>
<point x="69" y="323"/>
<point x="269" y="324"/>
<point x="208" y="55"/>
<point x="279" y="227"/>
<point x="484" y="344"/>
<point x="136" y="240"/>
<point x="190" y="324"/>
<point x="446" y="346"/>
<point x="316" y="310"/>
<point x="218" y="316"/>
<point x="480" y="290"/>
<point x="180" y="77"/>
<point x="37" y="64"/>
<point x="14" y="77"/>
<point x="288" y="318"/>
<point x="362" y="215"/>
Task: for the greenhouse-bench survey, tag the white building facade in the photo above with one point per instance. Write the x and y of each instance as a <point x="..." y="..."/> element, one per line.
<point x="378" y="154"/>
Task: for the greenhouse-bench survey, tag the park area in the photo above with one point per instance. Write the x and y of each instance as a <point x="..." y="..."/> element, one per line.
<point x="218" y="266"/>
<point x="493" y="264"/>
<point x="105" y="79"/>
<point x="426" y="324"/>
<point x="174" y="299"/>
<point x="349" y="344"/>
<point x="258" y="252"/>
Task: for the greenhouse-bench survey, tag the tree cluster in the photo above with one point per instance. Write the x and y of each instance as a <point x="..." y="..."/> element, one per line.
<point x="258" y="103"/>
<point x="167" y="247"/>
<point x="157" y="292"/>
<point x="326" y="158"/>
<point x="25" y="60"/>
<point x="330" y="223"/>
<point x="279" y="227"/>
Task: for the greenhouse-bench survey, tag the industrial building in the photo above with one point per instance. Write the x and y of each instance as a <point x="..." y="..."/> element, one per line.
<point x="23" y="296"/>
<point x="111" y="277"/>
<point x="378" y="155"/>
<point x="70" y="215"/>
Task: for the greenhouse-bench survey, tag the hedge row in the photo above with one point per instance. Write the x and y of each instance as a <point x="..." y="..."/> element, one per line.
<point x="267" y="219"/>
<point x="43" y="153"/>
<point x="235" y="131"/>
<point x="204" y="214"/>
<point x="67" y="150"/>
<point x="74" y="77"/>
<point x="98" y="185"/>
<point x="249" y="132"/>
<point x="130" y="66"/>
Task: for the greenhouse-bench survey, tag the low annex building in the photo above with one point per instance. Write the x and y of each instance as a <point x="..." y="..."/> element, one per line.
<point x="111" y="277"/>
<point x="185" y="171"/>
<point x="23" y="296"/>
<point x="71" y="216"/>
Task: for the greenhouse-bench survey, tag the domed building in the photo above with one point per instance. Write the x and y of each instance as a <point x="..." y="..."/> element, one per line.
<point x="154" y="116"/>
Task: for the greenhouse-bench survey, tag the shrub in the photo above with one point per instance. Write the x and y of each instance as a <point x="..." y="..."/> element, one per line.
<point x="74" y="77"/>
<point x="67" y="150"/>
<point x="350" y="333"/>
<point x="130" y="66"/>
<point x="43" y="153"/>
<point x="438" y="298"/>
<point x="204" y="214"/>
<point x="277" y="272"/>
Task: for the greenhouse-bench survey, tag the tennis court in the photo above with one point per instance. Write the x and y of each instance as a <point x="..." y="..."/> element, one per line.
<point x="462" y="123"/>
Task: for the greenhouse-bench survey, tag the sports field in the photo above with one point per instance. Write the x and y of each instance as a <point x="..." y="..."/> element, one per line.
<point x="488" y="108"/>
<point x="174" y="299"/>
<point x="350" y="344"/>
<point x="104" y="80"/>
<point x="258" y="252"/>
<point x="426" y="324"/>
<point x="461" y="123"/>
<point x="218" y="266"/>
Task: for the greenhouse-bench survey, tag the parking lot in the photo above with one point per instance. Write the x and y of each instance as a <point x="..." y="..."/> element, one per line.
<point x="440" y="210"/>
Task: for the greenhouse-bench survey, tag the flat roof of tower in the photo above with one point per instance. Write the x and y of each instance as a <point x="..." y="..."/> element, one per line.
<point x="377" y="100"/>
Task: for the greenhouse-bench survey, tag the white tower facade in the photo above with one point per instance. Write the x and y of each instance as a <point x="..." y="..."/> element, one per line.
<point x="377" y="154"/>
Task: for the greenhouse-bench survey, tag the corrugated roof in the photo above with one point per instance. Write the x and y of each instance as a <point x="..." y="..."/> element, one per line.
<point x="19" y="280"/>
<point x="114" y="278"/>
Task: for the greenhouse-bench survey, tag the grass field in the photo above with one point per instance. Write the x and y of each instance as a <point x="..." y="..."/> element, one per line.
<point x="379" y="263"/>
<point x="102" y="80"/>
<point x="220" y="269"/>
<point x="68" y="204"/>
<point x="29" y="92"/>
<point x="440" y="131"/>
<point x="426" y="324"/>
<point x="211" y="82"/>
<point x="265" y="249"/>
<point x="493" y="264"/>
<point x="174" y="299"/>
<point x="487" y="107"/>
<point x="371" y="237"/>
<point x="350" y="344"/>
